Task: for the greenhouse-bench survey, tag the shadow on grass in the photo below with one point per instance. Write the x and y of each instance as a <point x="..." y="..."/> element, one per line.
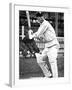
<point x="29" y="67"/>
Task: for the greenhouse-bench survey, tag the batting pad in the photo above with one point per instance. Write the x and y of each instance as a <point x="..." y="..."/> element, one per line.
<point x="39" y="57"/>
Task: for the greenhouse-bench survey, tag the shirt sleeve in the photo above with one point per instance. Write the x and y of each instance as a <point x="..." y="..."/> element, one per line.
<point x="41" y="30"/>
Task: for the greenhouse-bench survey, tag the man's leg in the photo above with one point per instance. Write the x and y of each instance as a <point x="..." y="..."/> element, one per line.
<point x="52" y="55"/>
<point x="45" y="69"/>
<point x="43" y="65"/>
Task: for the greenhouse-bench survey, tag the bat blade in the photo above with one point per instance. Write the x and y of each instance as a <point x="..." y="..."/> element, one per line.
<point x="28" y="18"/>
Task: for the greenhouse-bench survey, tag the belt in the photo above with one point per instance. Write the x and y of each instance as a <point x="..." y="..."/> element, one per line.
<point x="52" y="45"/>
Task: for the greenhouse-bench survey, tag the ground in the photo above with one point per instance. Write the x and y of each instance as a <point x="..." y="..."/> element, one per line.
<point x="29" y="68"/>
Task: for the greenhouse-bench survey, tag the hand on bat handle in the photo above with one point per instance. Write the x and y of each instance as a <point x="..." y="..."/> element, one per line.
<point x="30" y="32"/>
<point x="33" y="35"/>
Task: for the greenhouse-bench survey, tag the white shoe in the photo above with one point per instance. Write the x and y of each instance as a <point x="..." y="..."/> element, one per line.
<point x="48" y="75"/>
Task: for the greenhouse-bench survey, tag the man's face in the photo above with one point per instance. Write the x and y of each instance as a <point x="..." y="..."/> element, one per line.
<point x="39" y="19"/>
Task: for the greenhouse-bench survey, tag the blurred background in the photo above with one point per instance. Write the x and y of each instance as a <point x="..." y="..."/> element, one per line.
<point x="28" y="66"/>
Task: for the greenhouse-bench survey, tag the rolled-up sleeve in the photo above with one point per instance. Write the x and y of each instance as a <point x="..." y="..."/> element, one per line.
<point x="41" y="30"/>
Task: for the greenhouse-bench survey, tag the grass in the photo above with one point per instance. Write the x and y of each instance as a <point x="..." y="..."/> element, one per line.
<point x="29" y="68"/>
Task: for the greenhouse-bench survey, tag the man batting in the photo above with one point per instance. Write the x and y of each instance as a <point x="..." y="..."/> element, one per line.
<point x="46" y="31"/>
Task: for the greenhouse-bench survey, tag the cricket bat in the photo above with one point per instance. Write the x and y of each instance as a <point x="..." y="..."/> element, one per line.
<point x="30" y="32"/>
<point x="28" y="18"/>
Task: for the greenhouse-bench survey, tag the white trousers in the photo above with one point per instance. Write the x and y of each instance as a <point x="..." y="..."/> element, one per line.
<point x="52" y="56"/>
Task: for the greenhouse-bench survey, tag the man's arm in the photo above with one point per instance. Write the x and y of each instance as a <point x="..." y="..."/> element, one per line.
<point x="40" y="31"/>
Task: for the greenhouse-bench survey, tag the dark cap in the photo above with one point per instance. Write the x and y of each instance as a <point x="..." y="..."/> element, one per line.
<point x="39" y="14"/>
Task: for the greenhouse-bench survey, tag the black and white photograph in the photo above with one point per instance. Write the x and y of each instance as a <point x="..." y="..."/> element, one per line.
<point x="41" y="44"/>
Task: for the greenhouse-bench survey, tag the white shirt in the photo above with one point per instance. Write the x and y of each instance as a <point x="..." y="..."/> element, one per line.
<point x="46" y="31"/>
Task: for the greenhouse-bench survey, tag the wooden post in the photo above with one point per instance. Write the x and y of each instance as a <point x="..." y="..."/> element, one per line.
<point x="22" y="35"/>
<point x="22" y="32"/>
<point x="56" y="23"/>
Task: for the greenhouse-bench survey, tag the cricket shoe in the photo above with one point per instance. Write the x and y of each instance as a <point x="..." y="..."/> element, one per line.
<point x="48" y="75"/>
